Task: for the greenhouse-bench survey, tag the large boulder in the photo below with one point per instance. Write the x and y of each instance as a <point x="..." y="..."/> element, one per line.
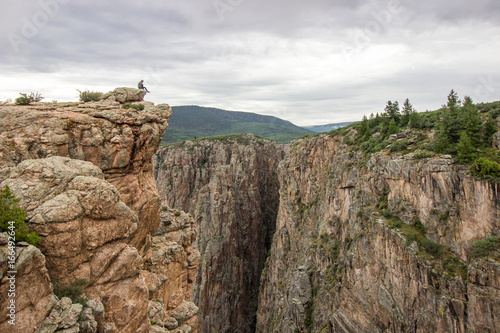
<point x="123" y="95"/>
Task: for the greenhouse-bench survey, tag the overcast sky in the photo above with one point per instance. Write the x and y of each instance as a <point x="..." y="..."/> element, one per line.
<point x="310" y="62"/>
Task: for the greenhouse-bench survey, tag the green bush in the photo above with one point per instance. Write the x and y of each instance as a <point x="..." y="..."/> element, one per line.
<point x="74" y="291"/>
<point x="138" y="107"/>
<point x="26" y="99"/>
<point x="413" y="235"/>
<point x="348" y="141"/>
<point x="387" y="213"/>
<point x="399" y="146"/>
<point x="12" y="218"/>
<point x="396" y="222"/>
<point x="415" y="232"/>
<point x="90" y="96"/>
<point x="483" y="247"/>
<point x="432" y="247"/>
<point x="453" y="266"/>
<point x="485" y="168"/>
<point x="203" y="162"/>
<point x="422" y="154"/>
<point x="383" y="202"/>
<point x="417" y="224"/>
<point x="494" y="113"/>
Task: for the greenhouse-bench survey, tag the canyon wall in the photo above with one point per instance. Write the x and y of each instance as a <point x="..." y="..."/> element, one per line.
<point x="83" y="172"/>
<point x="379" y="244"/>
<point x="230" y="186"/>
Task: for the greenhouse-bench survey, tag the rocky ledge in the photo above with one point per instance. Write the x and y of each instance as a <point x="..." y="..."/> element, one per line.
<point x="121" y="142"/>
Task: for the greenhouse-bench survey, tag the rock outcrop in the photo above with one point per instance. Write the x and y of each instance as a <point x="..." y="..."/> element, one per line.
<point x="83" y="172"/>
<point x="338" y="265"/>
<point x="68" y="317"/>
<point x="230" y="187"/>
<point x="84" y="228"/>
<point x="28" y="285"/>
<point x="121" y="142"/>
<point x="124" y="94"/>
<point x="169" y="270"/>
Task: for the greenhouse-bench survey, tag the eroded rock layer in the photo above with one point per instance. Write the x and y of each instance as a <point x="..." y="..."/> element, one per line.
<point x="230" y="187"/>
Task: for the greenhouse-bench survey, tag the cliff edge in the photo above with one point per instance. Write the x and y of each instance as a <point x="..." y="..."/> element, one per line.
<point x="83" y="172"/>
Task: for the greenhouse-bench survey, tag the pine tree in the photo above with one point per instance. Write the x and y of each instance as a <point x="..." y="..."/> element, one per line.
<point x="12" y="218"/>
<point x="407" y="111"/>
<point x="415" y="120"/>
<point x="441" y="142"/>
<point x="450" y="125"/>
<point x="465" y="149"/>
<point x="489" y="130"/>
<point x="392" y="111"/>
<point x="393" y="128"/>
<point x="363" y="126"/>
<point x="453" y="121"/>
<point x="471" y="121"/>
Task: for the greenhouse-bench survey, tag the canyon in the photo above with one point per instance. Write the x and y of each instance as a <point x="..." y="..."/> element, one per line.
<point x="336" y="263"/>
<point x="238" y="233"/>
<point x="230" y="186"/>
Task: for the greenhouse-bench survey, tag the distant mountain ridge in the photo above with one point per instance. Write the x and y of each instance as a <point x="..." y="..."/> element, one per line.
<point x="327" y="127"/>
<point x="190" y="121"/>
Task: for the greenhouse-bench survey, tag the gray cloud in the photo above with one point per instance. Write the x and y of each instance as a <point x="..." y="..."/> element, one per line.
<point x="308" y="62"/>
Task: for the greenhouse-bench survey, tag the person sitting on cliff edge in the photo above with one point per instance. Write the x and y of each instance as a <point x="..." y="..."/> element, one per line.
<point x="140" y="85"/>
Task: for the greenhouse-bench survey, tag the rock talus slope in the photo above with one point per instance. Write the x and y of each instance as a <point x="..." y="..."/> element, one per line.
<point x="338" y="265"/>
<point x="230" y="187"/>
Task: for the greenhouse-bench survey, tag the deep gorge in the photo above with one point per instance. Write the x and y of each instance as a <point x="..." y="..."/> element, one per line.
<point x="239" y="233"/>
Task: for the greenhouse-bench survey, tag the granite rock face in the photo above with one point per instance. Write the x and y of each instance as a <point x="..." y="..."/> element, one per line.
<point x="496" y="140"/>
<point x="230" y="187"/>
<point x="84" y="228"/>
<point x="169" y="270"/>
<point x="31" y="286"/>
<point x="337" y="264"/>
<point x="121" y="142"/>
<point x="68" y="317"/>
<point x="83" y="172"/>
<point x="73" y="208"/>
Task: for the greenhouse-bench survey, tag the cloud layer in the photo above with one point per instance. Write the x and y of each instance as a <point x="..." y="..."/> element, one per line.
<point x="308" y="62"/>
